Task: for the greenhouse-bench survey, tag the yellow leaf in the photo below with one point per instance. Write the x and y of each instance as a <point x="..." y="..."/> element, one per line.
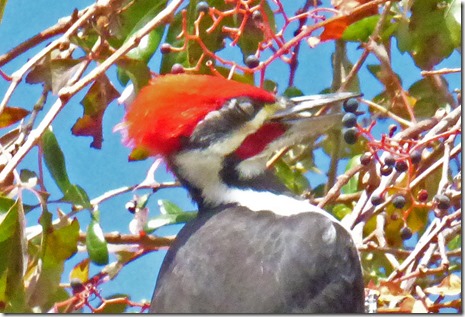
<point x="80" y="271"/>
<point x="12" y="115"/>
<point x="451" y="285"/>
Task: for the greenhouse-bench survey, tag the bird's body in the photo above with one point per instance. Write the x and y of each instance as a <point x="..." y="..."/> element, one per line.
<point x="284" y="273"/>
<point x="254" y="247"/>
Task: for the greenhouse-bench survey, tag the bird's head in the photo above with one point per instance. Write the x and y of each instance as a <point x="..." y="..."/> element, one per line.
<point x="198" y="122"/>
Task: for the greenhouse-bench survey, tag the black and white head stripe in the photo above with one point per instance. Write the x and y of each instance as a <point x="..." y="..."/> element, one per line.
<point x="218" y="125"/>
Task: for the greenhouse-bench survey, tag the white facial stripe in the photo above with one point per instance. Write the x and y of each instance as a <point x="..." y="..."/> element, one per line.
<point x="202" y="169"/>
<point x="252" y="167"/>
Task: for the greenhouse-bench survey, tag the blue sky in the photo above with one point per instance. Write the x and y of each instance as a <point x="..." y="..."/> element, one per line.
<point x="98" y="171"/>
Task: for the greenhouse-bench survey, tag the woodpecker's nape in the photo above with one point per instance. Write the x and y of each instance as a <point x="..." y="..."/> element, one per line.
<point x="254" y="247"/>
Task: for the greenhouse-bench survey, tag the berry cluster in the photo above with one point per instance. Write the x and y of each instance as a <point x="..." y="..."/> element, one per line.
<point x="349" y="121"/>
<point x="401" y="155"/>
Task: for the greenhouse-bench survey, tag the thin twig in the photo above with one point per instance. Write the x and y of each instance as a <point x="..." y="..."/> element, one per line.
<point x="424" y="241"/>
<point x="390" y="114"/>
<point x="60" y="27"/>
<point x="440" y="71"/>
<point x="18" y="75"/>
<point x="374" y="36"/>
<point x="145" y="241"/>
<point x="66" y="92"/>
<point x="341" y="181"/>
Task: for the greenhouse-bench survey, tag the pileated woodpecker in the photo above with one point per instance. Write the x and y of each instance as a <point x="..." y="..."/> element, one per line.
<point x="254" y="247"/>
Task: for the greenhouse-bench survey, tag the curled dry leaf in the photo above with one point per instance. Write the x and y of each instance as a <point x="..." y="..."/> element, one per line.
<point x="451" y="285"/>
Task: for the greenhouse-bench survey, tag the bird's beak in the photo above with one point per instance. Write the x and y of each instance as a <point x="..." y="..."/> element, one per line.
<point x="299" y="120"/>
<point x="309" y="116"/>
<point x="306" y="107"/>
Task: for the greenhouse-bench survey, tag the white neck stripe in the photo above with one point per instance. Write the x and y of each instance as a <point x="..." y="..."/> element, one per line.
<point x="278" y="204"/>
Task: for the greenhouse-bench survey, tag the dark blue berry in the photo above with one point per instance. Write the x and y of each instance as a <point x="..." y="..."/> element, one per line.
<point x="350" y="135"/>
<point x="365" y="159"/>
<point x="350" y="105"/>
<point x="349" y="120"/>
<point x="443" y="202"/>
<point x="405" y="233"/>
<point x="389" y="160"/>
<point x="202" y="6"/>
<point x="386" y="170"/>
<point x="76" y="285"/>
<point x="165" y="48"/>
<point x="401" y="166"/>
<point x="415" y="156"/>
<point x="252" y="61"/>
<point x="376" y="200"/>
<point x="177" y="69"/>
<point x="399" y="201"/>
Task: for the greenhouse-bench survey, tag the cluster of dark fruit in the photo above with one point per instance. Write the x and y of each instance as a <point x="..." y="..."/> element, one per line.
<point x="349" y="121"/>
<point x="399" y="202"/>
<point x="442" y="202"/>
<point x="251" y="61"/>
<point x="390" y="163"/>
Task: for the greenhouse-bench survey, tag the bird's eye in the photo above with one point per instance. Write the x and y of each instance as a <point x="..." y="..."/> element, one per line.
<point x="241" y="108"/>
<point x="246" y="107"/>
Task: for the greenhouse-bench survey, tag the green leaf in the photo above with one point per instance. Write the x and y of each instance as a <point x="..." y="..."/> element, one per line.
<point x="148" y="45"/>
<point x="28" y="176"/>
<point x="76" y="195"/>
<point x="137" y="71"/>
<point x="243" y="78"/>
<point x="214" y="41"/>
<point x="455" y="242"/>
<point x="352" y="185"/>
<point x="138" y="154"/>
<point x="142" y="201"/>
<point x="138" y="15"/>
<point x="95" y="242"/>
<point x="7" y="203"/>
<point x="168" y="60"/>
<point x="177" y="216"/>
<point x="8" y="222"/>
<point x="343" y="149"/>
<point x="169" y="208"/>
<point x="55" y="162"/>
<point x="58" y="245"/>
<point x="11" y="115"/>
<point x="12" y="258"/>
<point x="59" y="296"/>
<point x="2" y="8"/>
<point x="85" y="40"/>
<point x="361" y="30"/>
<point x="95" y="102"/>
<point x="270" y="85"/>
<point x="291" y="177"/>
<point x="292" y="91"/>
<point x="132" y="18"/>
<point x="340" y="211"/>
<point x="252" y="33"/>
<point x="434" y="31"/>
<point x="115" y="307"/>
<point x="417" y="219"/>
<point x="428" y="97"/>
